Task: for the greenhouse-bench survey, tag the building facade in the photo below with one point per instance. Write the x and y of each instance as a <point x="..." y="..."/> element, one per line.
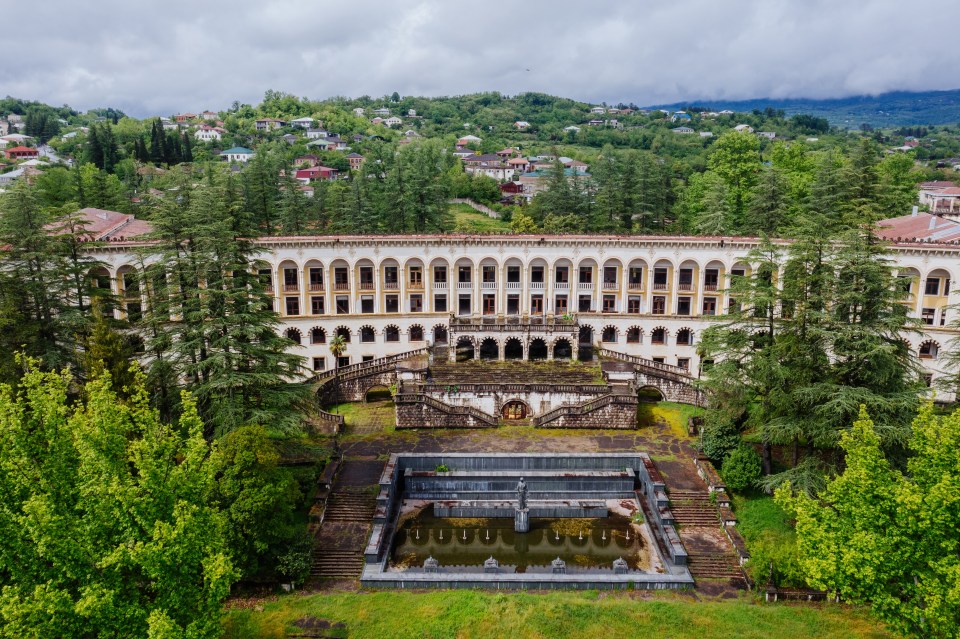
<point x="646" y="296"/>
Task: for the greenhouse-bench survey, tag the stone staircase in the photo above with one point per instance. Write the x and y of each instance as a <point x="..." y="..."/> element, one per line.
<point x="347" y="518"/>
<point x="694" y="511"/>
<point x="693" y="508"/>
<point x="720" y="565"/>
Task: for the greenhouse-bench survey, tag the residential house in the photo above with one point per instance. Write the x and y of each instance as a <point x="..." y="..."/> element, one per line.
<point x="316" y="173"/>
<point x="168" y="124"/>
<point x="939" y="196"/>
<point x="209" y="115"/>
<point x="577" y="166"/>
<point x="377" y="120"/>
<point x="522" y="125"/>
<point x="21" y="153"/>
<point x="17" y="138"/>
<point x="706" y="134"/>
<point x="614" y="111"/>
<point x="185" y="117"/>
<point x="596" y="123"/>
<point x="536" y="181"/>
<point x="462" y="153"/>
<point x="489" y="164"/>
<point x="519" y="164"/>
<point x="4" y="127"/>
<point x="316" y="134"/>
<point x="743" y="128"/>
<point x="726" y="112"/>
<point x="468" y="139"/>
<point x="412" y="113"/>
<point x="572" y="129"/>
<point x="355" y="160"/>
<point x="207" y="133"/>
<point x="393" y="121"/>
<point x="382" y="112"/>
<point x="25" y="172"/>
<point x="598" y="110"/>
<point x="237" y="154"/>
<point x="303" y="123"/>
<point x="680" y="116"/>
<point x="268" y="124"/>
<point x="683" y="130"/>
<point x="290" y="138"/>
<point x="359" y="111"/>
<point x="767" y="134"/>
<point x="508" y="153"/>
<point x="309" y="159"/>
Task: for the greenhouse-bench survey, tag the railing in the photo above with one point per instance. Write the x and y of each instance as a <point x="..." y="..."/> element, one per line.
<point x="291" y="288"/>
<point x="366" y="368"/>
<point x="685" y="286"/>
<point x="316" y="286"/>
<point x="710" y="287"/>
<point x="669" y="371"/>
<point x="583" y="408"/>
<point x="635" y="286"/>
<point x="416" y="286"/>
<point x="585" y="286"/>
<point x="324" y="416"/>
<point x="660" y="287"/>
<point x="610" y="285"/>
<point x="465" y="285"/>
<point x="391" y="286"/>
<point x="366" y="286"/>
<point x="439" y="286"/>
<point x="585" y="389"/>
<point x="514" y="286"/>
<point x="450" y="409"/>
<point x="341" y="286"/>
<point x="488" y="285"/>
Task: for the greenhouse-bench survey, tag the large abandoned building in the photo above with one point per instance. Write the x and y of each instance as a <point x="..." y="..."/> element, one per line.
<point x="522" y="297"/>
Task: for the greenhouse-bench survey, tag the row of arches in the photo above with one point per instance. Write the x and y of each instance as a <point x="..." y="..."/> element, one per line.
<point x="513" y="348"/>
<point x="634" y="335"/>
<point x="365" y="334"/>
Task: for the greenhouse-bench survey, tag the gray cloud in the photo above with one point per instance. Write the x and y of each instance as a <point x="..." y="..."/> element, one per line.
<point x="150" y="58"/>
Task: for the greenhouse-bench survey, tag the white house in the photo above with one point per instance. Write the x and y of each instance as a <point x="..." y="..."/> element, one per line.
<point x="767" y="134"/>
<point x="522" y="124"/>
<point x="393" y="121"/>
<point x="684" y="130"/>
<point x="572" y="129"/>
<point x="359" y="111"/>
<point x="382" y="112"/>
<point x="743" y="128"/>
<point x="237" y="154"/>
<point x="598" y="110"/>
<point x="206" y="134"/>
<point x="303" y="123"/>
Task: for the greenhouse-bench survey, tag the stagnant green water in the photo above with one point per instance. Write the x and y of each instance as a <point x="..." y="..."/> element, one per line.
<point x="587" y="545"/>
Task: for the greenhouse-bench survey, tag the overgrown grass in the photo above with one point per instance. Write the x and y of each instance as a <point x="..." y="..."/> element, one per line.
<point x="770" y="538"/>
<point x="468" y="220"/>
<point x="584" y="615"/>
<point x="676" y="416"/>
<point x="362" y="418"/>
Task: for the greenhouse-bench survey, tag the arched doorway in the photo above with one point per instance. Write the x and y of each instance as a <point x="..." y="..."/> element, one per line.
<point x="647" y="399"/>
<point x="513" y="349"/>
<point x="538" y="349"/>
<point x="514" y="410"/>
<point x="650" y="395"/>
<point x="489" y="349"/>
<point x="377" y="394"/>
<point x="585" y="346"/>
<point x="465" y="349"/>
<point x="440" y="335"/>
<point x="562" y="349"/>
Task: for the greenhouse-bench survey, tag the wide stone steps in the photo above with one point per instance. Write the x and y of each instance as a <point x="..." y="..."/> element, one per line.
<point x="714" y="566"/>
<point x="350" y="507"/>
<point x="694" y="515"/>
<point x="344" y="564"/>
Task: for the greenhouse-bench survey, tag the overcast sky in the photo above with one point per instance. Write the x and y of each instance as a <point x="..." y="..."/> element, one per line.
<point x="150" y="57"/>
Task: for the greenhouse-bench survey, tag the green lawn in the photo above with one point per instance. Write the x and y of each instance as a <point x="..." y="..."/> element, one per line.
<point x="676" y="416"/>
<point x="362" y="418"/>
<point x="468" y="220"/>
<point x="581" y="615"/>
<point x="770" y="537"/>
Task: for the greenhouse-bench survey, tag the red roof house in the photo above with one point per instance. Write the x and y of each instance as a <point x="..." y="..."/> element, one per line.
<point x="21" y="153"/>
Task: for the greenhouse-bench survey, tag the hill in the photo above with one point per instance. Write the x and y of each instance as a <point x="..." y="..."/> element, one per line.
<point x="900" y="108"/>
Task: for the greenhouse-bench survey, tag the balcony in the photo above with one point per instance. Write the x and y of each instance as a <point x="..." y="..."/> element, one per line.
<point x="536" y="286"/>
<point x="635" y="286"/>
<point x="660" y="286"/>
<point x="391" y="286"/>
<point x="488" y="286"/>
<point x="439" y="286"/>
<point x="366" y="286"/>
<point x="610" y="286"/>
<point x="291" y="288"/>
<point x="464" y="286"/>
<point x="561" y="286"/>
<point x="514" y="286"/>
<point x="415" y="286"/>
<point x="316" y="286"/>
<point x="585" y="286"/>
<point x="710" y="287"/>
<point x="341" y="286"/>
<point x="685" y="286"/>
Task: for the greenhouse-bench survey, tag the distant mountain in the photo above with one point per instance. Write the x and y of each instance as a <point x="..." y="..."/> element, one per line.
<point x="899" y="108"/>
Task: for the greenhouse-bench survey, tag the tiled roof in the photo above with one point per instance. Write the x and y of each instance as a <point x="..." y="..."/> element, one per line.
<point x="922" y="227"/>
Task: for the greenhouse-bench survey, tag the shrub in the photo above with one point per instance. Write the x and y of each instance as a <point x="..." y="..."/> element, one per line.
<point x="741" y="468"/>
<point x="720" y="436"/>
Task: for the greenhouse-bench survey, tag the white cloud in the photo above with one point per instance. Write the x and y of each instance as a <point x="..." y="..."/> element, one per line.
<point x="176" y="55"/>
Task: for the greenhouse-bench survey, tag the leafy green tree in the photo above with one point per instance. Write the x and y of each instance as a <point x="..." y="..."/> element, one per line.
<point x="259" y="499"/>
<point x="741" y="468"/>
<point x="881" y="538"/>
<point x="523" y="223"/>
<point x="736" y="159"/>
<point x="107" y="526"/>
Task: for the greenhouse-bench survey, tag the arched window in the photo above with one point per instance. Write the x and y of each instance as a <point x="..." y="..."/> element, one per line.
<point x="294" y="335"/>
<point x="685" y="337"/>
<point x="658" y="336"/>
<point x="344" y="332"/>
<point x="367" y="334"/>
<point x="391" y="334"/>
<point x="929" y="350"/>
<point x="318" y="336"/>
<point x="633" y="335"/>
<point x="609" y="335"/>
<point x="416" y="333"/>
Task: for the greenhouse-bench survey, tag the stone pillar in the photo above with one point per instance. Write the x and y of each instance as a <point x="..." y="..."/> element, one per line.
<point x="550" y="352"/>
<point x="451" y="349"/>
<point x="575" y="349"/>
<point x="521" y="520"/>
<point x="501" y="346"/>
